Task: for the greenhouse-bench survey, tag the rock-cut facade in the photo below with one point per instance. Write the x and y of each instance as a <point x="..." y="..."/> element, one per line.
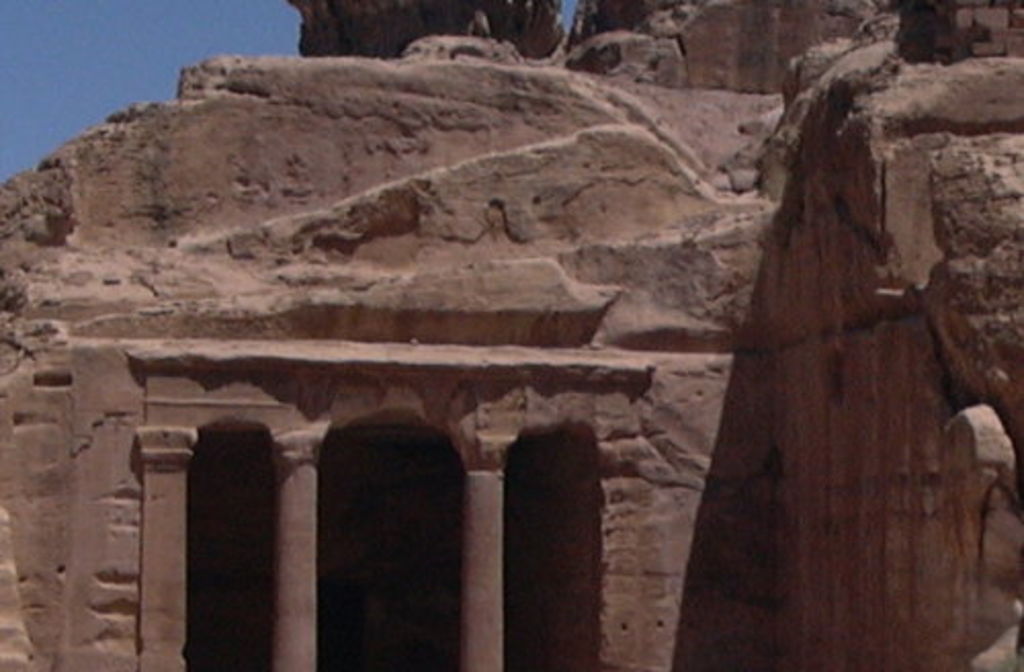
<point x="506" y="354"/>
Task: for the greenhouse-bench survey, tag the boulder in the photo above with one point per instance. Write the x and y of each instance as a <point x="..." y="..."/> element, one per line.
<point x="454" y="47"/>
<point x="636" y="56"/>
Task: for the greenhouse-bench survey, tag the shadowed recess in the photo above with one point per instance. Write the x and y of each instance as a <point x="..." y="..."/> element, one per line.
<point x="390" y="541"/>
<point x="231" y="511"/>
<point x="553" y="503"/>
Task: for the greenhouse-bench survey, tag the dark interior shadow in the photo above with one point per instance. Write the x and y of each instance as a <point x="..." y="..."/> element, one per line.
<point x="553" y="502"/>
<point x="389" y="551"/>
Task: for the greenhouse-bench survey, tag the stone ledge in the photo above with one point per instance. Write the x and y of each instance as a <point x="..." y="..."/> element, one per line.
<point x="165" y="355"/>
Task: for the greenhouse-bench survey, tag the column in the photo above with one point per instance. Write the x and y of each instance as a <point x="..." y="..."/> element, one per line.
<point x="295" y="568"/>
<point x="165" y="453"/>
<point x="482" y="585"/>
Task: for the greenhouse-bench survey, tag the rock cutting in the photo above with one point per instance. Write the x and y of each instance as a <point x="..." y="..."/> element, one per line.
<point x="687" y="339"/>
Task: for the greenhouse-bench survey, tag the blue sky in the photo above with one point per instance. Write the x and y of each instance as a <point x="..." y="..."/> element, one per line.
<point x="67" y="64"/>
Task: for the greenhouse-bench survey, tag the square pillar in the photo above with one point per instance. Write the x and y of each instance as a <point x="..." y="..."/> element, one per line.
<point x="165" y="454"/>
<point x="295" y="553"/>
<point x="483" y="603"/>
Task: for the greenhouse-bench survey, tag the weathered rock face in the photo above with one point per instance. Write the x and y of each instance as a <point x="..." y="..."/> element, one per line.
<point x="880" y="504"/>
<point x="564" y="162"/>
<point x="743" y="45"/>
<point x="386" y="27"/>
<point x="807" y="74"/>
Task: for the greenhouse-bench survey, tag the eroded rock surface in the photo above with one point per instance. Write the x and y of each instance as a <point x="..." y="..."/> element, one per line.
<point x="389" y="168"/>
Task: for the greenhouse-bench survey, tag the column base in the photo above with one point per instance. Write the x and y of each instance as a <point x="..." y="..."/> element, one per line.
<point x="161" y="662"/>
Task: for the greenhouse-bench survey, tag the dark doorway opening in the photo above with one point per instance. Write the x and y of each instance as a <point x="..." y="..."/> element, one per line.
<point x="553" y="502"/>
<point x="231" y="511"/>
<point x="389" y="551"/>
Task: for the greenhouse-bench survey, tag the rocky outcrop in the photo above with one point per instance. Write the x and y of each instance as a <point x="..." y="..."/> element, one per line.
<point x="386" y="28"/>
<point x="880" y="502"/>
<point x="353" y="268"/>
<point x="743" y="45"/>
<point x="385" y="166"/>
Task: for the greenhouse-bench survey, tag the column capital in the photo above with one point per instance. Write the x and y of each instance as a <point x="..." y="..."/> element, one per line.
<point x="299" y="446"/>
<point x="490" y="452"/>
<point x="166" y="448"/>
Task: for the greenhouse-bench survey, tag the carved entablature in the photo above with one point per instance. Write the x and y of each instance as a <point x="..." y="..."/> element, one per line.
<point x="484" y="399"/>
<point x="166" y="449"/>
